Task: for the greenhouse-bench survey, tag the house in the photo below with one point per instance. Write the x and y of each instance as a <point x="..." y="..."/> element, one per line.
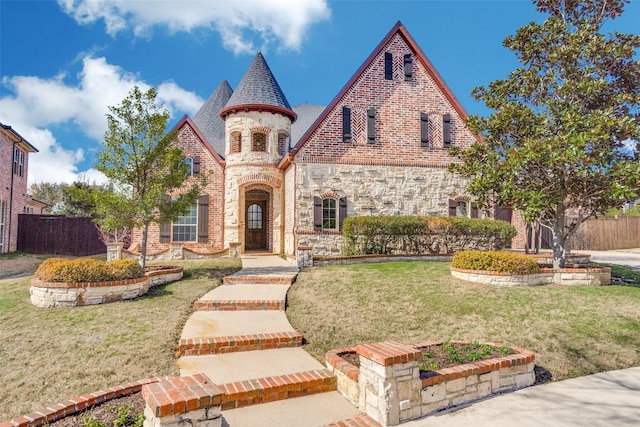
<point x="14" y="200"/>
<point x="283" y="177"/>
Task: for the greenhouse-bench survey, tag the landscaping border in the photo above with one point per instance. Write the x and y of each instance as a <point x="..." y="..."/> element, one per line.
<point x="572" y="276"/>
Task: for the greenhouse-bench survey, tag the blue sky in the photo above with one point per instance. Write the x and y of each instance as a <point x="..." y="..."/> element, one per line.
<point x="62" y="62"/>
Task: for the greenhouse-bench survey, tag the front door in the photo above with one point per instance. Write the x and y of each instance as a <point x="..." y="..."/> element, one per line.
<point x="256" y="225"/>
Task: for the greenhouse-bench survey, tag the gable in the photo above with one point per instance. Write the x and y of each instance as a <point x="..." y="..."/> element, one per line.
<point x="385" y="104"/>
<point x="193" y="143"/>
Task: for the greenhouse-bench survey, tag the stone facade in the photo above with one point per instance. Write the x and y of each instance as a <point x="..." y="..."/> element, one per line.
<point x="586" y="276"/>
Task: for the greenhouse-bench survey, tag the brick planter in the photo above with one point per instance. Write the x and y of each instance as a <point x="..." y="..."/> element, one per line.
<point x="577" y="276"/>
<point x="62" y="294"/>
<point x="389" y="387"/>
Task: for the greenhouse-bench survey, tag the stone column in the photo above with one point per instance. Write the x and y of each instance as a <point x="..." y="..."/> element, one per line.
<point x="176" y="251"/>
<point x="389" y="382"/>
<point x="234" y="250"/>
<point x="114" y="251"/>
<point x="304" y="256"/>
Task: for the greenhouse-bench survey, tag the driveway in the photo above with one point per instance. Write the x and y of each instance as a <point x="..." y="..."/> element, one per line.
<point x="628" y="257"/>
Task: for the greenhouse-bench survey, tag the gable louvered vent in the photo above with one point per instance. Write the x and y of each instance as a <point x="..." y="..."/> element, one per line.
<point x="446" y="130"/>
<point x="388" y="66"/>
<point x="408" y="63"/>
<point x="371" y="125"/>
<point x="346" y="124"/>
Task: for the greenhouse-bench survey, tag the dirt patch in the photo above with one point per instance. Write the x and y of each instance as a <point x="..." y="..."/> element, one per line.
<point x="20" y="265"/>
<point x="124" y="409"/>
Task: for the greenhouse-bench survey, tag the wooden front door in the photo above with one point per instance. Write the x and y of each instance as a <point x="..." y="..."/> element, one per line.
<point x="256" y="225"/>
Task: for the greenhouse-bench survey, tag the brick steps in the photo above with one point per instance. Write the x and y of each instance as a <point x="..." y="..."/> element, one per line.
<point x="285" y="279"/>
<point x="236" y="305"/>
<point x="262" y="390"/>
<point x="229" y="344"/>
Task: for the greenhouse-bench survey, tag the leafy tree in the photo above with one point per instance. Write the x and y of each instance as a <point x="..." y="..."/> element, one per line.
<point x="140" y="160"/>
<point x="48" y="192"/>
<point x="554" y="147"/>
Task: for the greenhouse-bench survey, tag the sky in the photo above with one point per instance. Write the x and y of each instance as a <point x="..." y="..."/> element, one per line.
<point x="63" y="62"/>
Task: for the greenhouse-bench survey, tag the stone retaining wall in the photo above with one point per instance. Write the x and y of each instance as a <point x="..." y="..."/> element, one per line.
<point x="62" y="294"/>
<point x="389" y="387"/>
<point x="583" y="276"/>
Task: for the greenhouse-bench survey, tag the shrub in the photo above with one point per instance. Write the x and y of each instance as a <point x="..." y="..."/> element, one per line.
<point x="422" y="234"/>
<point x="87" y="270"/>
<point x="498" y="261"/>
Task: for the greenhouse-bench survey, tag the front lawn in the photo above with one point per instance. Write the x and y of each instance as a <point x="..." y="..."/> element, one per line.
<point x="574" y="331"/>
<point x="50" y="355"/>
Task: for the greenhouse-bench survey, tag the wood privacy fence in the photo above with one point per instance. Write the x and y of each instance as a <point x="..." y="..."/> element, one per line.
<point x="605" y="234"/>
<point x="58" y="235"/>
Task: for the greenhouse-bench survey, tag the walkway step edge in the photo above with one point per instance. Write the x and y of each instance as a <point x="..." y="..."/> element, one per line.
<point x="229" y="344"/>
<point x="252" y="392"/>
<point x="359" y="421"/>
<point x="235" y="305"/>
<point x="259" y="280"/>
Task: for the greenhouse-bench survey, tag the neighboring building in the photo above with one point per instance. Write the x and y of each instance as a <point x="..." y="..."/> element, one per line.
<point x="14" y="200"/>
<point x="282" y="177"/>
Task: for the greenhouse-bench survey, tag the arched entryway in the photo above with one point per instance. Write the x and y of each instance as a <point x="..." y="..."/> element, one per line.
<point x="257" y="220"/>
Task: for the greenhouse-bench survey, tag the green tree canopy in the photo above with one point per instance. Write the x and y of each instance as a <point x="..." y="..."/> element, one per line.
<point x="139" y="159"/>
<point x="554" y="147"/>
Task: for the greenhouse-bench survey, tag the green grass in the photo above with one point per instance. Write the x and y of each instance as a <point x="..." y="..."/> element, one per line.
<point x="50" y="355"/>
<point x="574" y="331"/>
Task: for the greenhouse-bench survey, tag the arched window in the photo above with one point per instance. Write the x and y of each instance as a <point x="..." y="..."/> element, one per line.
<point x="259" y="142"/>
<point x="254" y="217"/>
<point x="236" y="142"/>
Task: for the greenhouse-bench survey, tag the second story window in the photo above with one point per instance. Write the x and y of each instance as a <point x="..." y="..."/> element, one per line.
<point x="18" y="161"/>
<point x="259" y="142"/>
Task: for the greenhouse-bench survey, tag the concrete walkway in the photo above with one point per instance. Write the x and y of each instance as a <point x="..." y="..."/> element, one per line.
<point x="241" y="339"/>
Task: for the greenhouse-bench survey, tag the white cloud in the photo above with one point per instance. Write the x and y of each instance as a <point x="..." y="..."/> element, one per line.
<point x="38" y="104"/>
<point x="240" y="23"/>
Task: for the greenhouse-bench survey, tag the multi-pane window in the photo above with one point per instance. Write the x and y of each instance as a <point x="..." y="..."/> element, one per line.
<point x="254" y="217"/>
<point x="189" y="162"/>
<point x="462" y="208"/>
<point x="329" y="214"/>
<point x="18" y="161"/>
<point x="185" y="228"/>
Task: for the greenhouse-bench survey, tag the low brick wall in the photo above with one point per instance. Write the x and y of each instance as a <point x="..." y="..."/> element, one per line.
<point x="388" y="385"/>
<point x="582" y="276"/>
<point x="62" y="294"/>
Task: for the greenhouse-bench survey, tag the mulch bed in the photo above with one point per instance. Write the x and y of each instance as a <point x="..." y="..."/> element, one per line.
<point x="106" y="412"/>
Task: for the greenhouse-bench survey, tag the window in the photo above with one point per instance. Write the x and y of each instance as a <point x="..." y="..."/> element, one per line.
<point x="282" y="143"/>
<point x="3" y="219"/>
<point x="461" y="209"/>
<point x="18" y="161"/>
<point x="236" y="142"/>
<point x="329" y="214"/>
<point x="189" y="162"/>
<point x="259" y="142"/>
<point x="388" y="66"/>
<point x="254" y="217"/>
<point x="185" y="228"/>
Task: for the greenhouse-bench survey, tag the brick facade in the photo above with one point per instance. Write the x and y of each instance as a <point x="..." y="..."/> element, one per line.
<point x="14" y="199"/>
<point x="391" y="160"/>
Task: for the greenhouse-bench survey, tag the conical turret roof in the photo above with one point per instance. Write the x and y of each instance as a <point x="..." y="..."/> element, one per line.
<point x="258" y="90"/>
<point x="208" y="116"/>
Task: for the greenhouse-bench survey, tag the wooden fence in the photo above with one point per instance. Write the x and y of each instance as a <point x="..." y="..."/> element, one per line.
<point x="605" y="234"/>
<point x="58" y="235"/>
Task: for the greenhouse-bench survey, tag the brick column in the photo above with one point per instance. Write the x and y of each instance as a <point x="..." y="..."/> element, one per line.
<point x="389" y="382"/>
<point x="183" y="402"/>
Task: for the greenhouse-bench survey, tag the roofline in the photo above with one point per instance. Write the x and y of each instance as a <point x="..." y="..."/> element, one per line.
<point x="187" y="120"/>
<point x="260" y="108"/>
<point x="19" y="139"/>
<point x="397" y="28"/>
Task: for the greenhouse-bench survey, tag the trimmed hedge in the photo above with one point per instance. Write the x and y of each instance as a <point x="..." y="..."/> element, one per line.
<point x="87" y="270"/>
<point x="498" y="261"/>
<point x="435" y="235"/>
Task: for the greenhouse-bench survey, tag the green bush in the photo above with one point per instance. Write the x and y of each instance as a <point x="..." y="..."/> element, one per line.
<point x="498" y="261"/>
<point x="422" y="234"/>
<point x="87" y="270"/>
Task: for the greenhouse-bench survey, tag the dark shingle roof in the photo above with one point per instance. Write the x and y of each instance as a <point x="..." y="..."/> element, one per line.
<point x="258" y="86"/>
<point x="208" y="117"/>
<point x="307" y="115"/>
